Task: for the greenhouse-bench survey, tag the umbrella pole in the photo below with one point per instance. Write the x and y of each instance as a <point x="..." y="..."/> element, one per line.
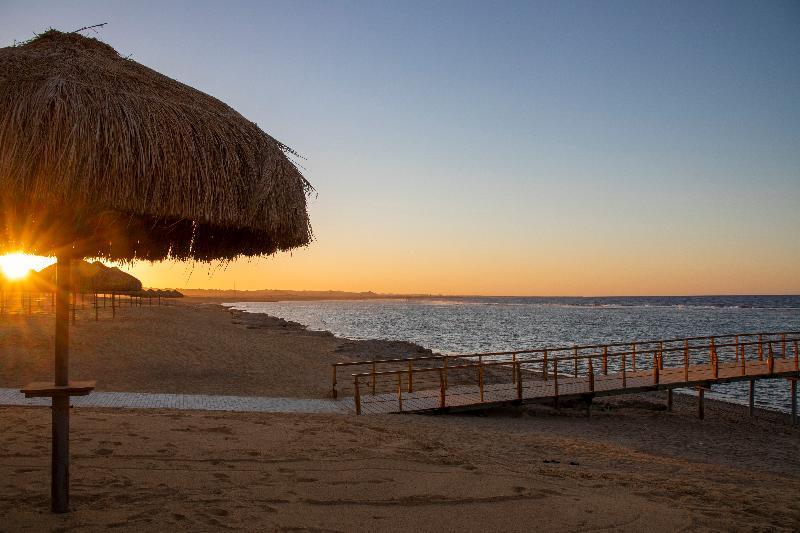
<point x="59" y="488"/>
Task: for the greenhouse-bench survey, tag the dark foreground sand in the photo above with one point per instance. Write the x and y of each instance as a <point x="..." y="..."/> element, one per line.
<point x="630" y="467"/>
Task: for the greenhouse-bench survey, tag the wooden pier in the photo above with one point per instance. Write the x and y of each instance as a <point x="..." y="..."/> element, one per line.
<point x="442" y="383"/>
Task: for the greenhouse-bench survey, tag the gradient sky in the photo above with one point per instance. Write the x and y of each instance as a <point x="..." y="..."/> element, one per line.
<point x="533" y="148"/>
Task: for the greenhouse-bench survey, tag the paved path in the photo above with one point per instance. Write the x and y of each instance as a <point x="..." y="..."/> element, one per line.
<point x="200" y="402"/>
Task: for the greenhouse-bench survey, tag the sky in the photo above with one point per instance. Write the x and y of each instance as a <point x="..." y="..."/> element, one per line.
<point x="498" y="148"/>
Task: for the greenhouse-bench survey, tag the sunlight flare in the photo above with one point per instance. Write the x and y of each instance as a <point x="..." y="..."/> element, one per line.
<point x="17" y="265"/>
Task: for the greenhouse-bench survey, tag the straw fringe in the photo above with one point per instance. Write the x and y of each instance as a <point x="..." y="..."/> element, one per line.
<point x="106" y="155"/>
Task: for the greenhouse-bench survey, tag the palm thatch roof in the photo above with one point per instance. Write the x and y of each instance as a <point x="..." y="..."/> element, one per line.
<point x="93" y="277"/>
<point x="103" y="155"/>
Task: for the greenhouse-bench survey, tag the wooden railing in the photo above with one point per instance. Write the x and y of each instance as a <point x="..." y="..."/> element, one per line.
<point x="559" y="371"/>
<point x="540" y="356"/>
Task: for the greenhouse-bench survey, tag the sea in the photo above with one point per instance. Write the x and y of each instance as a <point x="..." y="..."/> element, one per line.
<point x="454" y="325"/>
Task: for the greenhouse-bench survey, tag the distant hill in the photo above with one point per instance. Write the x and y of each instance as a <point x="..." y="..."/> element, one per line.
<point x="273" y="295"/>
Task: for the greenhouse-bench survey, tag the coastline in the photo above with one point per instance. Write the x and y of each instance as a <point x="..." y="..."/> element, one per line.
<point x="630" y="466"/>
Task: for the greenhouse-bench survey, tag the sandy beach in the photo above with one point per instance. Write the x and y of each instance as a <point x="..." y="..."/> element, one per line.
<point x="631" y="466"/>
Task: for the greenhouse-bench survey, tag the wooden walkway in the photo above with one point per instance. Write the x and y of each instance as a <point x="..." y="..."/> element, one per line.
<point x="452" y="383"/>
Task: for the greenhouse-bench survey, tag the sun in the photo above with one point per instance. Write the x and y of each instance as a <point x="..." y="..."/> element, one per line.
<point x="18" y="265"/>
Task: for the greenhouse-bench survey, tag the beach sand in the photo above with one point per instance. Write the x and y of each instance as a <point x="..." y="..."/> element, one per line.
<point x="190" y="346"/>
<point x="631" y="466"/>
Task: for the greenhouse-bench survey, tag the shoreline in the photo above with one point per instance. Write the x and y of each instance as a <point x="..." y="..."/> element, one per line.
<point x="713" y="396"/>
<point x="631" y="466"/>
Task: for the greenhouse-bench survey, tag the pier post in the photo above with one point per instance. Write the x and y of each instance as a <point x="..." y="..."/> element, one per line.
<point x="519" y="381"/>
<point x="669" y="400"/>
<point x="514" y="368"/>
<point x="555" y="379"/>
<point x="400" y="391"/>
<point x="752" y="396"/>
<point x="575" y="355"/>
<point x="544" y="365"/>
<point x="686" y="360"/>
<point x="760" y="348"/>
<point x="655" y="368"/>
<point x="605" y="360"/>
<point x="770" y="359"/>
<point x="480" y="379"/>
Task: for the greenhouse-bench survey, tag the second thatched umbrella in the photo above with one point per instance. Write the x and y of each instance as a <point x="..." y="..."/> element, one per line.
<point x="103" y="157"/>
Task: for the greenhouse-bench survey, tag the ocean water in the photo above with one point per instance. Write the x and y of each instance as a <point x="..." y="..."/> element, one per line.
<point x="484" y="324"/>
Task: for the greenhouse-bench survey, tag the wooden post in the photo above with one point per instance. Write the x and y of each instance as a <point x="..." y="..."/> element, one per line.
<point x="575" y="356"/>
<point x="441" y="389"/>
<point x="519" y="381"/>
<point x="514" y="368"/>
<point x="743" y="362"/>
<point x="669" y="400"/>
<point x="714" y="359"/>
<point x="373" y="378"/>
<point x="59" y="487"/>
<point x="796" y="357"/>
<point x="591" y="375"/>
<point x="686" y="360"/>
<point x="480" y="378"/>
<point x="356" y="395"/>
<point x="770" y="358"/>
<point x="445" y="372"/>
<point x="605" y="360"/>
<point x="400" y="390"/>
<point x="760" y="348"/>
<point x="624" y="377"/>
<point x="544" y="365"/>
<point x="96" y="308"/>
<point x="793" y="393"/>
<point x="712" y="356"/>
<point x="333" y="381"/>
<point x="661" y="355"/>
<point x="633" y="356"/>
<point x="700" y="411"/>
<point x="783" y="345"/>
<point x="655" y="369"/>
<point x="410" y="377"/>
<point x="555" y="377"/>
<point x="113" y="306"/>
<point x="752" y="396"/>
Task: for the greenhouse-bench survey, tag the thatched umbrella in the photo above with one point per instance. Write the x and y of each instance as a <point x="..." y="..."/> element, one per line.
<point x="103" y="157"/>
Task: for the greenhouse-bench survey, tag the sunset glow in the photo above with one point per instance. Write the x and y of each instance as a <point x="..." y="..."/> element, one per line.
<point x="18" y="265"/>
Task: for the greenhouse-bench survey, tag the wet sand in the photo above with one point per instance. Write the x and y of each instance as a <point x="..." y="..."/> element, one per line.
<point x="631" y="466"/>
